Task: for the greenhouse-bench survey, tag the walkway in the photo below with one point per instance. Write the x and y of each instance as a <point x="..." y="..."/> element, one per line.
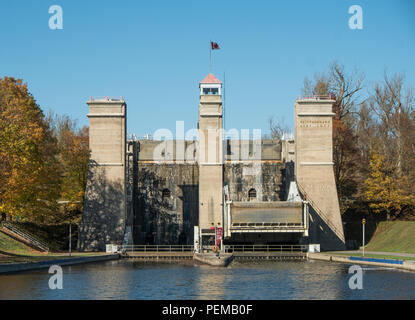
<point x="63" y="261"/>
<point x="397" y="254"/>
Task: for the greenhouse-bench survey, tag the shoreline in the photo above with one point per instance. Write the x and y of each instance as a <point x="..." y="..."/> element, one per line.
<point x="8" y="268"/>
<point x="407" y="265"/>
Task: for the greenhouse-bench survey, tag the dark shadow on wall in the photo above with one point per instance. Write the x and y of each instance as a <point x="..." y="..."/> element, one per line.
<point x="152" y="222"/>
<point x="103" y="219"/>
<point x="159" y="219"/>
<point x="287" y="177"/>
<point x="190" y="212"/>
<point x="321" y="233"/>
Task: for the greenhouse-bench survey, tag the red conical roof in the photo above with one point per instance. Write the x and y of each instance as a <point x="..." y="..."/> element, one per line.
<point x="210" y="78"/>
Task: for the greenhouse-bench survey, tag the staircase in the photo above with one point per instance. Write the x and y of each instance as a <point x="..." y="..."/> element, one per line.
<point x="24" y="236"/>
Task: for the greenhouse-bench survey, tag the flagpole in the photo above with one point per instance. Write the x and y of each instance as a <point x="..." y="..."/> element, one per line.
<point x="224" y="100"/>
<point x="210" y="57"/>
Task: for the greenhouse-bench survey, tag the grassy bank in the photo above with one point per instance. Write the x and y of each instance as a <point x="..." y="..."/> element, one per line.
<point x="393" y="236"/>
<point x="12" y="246"/>
<point x="55" y="236"/>
<point x="13" y="251"/>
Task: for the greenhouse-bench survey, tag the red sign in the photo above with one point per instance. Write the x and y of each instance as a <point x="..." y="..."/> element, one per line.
<point x="219" y="233"/>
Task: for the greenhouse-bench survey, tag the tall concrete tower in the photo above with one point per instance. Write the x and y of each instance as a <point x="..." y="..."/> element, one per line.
<point x="103" y="219"/>
<point x="314" y="170"/>
<point x="210" y="158"/>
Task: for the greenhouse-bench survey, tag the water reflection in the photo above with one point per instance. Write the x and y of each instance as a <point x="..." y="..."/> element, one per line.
<point x="128" y="279"/>
<point x="211" y="283"/>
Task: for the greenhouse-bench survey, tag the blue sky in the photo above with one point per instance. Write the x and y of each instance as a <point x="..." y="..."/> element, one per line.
<point x="154" y="53"/>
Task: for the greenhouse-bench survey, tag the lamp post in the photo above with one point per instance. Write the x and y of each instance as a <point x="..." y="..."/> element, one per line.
<point x="363" y="224"/>
<point x="65" y="202"/>
<point x="70" y="235"/>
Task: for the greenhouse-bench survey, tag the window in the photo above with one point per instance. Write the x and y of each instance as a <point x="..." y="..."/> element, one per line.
<point x="252" y="194"/>
<point x="210" y="90"/>
<point x="166" y="194"/>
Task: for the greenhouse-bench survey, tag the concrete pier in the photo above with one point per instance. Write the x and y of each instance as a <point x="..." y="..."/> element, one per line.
<point x="212" y="259"/>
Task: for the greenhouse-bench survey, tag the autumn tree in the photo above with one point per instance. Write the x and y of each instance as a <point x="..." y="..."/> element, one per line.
<point x="394" y="107"/>
<point x="73" y="156"/>
<point x="345" y="158"/>
<point x="381" y="190"/>
<point x="43" y="160"/>
<point x="29" y="170"/>
<point x="393" y="103"/>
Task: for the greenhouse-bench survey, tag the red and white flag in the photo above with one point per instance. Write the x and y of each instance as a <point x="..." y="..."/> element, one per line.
<point x="214" y="45"/>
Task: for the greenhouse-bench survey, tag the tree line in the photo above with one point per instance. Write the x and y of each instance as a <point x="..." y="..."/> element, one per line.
<point x="43" y="159"/>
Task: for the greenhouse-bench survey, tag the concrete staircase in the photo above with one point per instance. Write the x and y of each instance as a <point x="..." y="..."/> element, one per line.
<point x="24" y="237"/>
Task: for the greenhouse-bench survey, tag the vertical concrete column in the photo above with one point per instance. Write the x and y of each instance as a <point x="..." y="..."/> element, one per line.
<point x="103" y="220"/>
<point x="210" y="161"/>
<point x="314" y="170"/>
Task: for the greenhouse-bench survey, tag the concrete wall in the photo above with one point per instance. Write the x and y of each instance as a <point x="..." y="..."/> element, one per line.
<point x="158" y="220"/>
<point x="245" y="150"/>
<point x="103" y="219"/>
<point x="165" y="220"/>
<point x="288" y="150"/>
<point x="266" y="177"/>
<point x="210" y="161"/>
<point x="314" y="171"/>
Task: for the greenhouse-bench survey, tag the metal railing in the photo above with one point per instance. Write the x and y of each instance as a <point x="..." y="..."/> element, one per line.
<point x="157" y="248"/>
<point x="26" y="236"/>
<point x="121" y="99"/>
<point x="285" y="248"/>
<point x="286" y="225"/>
<point x="329" y="96"/>
<point x="295" y="248"/>
<point x="323" y="216"/>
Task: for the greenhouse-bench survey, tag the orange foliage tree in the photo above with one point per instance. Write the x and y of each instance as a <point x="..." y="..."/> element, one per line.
<point x="73" y="156"/>
<point x="29" y="169"/>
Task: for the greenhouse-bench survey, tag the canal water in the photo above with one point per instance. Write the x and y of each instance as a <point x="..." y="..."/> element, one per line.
<point x="128" y="279"/>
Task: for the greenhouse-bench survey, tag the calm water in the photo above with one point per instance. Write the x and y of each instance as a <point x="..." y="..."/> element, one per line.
<point x="125" y="279"/>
